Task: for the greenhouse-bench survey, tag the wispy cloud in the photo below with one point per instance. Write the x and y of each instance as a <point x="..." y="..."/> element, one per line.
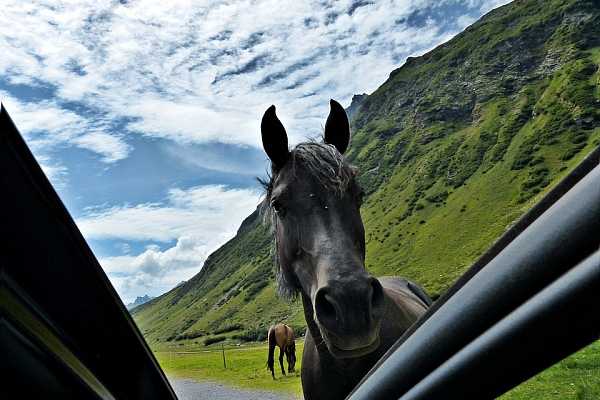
<point x="46" y="126"/>
<point x="485" y="6"/>
<point x="205" y="71"/>
<point x="56" y="173"/>
<point x="154" y="271"/>
<point x="210" y="213"/>
<point x="111" y="147"/>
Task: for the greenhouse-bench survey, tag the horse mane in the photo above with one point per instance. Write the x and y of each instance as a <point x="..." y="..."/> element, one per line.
<point x="325" y="164"/>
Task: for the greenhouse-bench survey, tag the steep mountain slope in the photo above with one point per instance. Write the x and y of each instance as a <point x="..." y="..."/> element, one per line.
<point x="139" y="301"/>
<point x="452" y="149"/>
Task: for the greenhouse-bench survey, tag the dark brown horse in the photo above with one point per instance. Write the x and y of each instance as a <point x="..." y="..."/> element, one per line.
<point x="282" y="336"/>
<point x="314" y="202"/>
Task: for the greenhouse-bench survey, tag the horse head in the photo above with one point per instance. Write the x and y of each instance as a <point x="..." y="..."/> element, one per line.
<point x="314" y="201"/>
<point x="290" y="353"/>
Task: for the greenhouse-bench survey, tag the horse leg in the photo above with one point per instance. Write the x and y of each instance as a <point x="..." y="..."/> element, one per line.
<point x="288" y="356"/>
<point x="281" y="360"/>
<point x="270" y="360"/>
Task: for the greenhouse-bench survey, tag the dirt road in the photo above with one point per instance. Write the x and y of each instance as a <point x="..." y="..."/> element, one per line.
<point x="187" y="389"/>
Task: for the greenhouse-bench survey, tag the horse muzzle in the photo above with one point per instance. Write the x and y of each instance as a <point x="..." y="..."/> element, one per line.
<point x="339" y="349"/>
<point x="349" y="315"/>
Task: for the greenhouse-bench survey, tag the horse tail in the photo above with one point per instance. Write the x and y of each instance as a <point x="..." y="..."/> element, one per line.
<point x="272" y="344"/>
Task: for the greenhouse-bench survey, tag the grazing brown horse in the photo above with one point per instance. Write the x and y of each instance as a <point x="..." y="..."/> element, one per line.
<point x="314" y="201"/>
<point x="282" y="336"/>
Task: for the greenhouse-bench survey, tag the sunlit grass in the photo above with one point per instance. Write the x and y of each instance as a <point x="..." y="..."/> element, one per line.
<point x="577" y="377"/>
<point x="246" y="367"/>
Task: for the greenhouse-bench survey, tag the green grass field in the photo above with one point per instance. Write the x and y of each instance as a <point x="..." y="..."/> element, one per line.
<point x="575" y="378"/>
<point x="246" y="367"/>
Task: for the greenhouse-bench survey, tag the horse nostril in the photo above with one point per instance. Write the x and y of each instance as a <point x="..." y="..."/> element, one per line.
<point x="324" y="307"/>
<point x="376" y="297"/>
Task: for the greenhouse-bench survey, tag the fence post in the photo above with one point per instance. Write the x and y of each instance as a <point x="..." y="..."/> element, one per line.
<point x="223" y="350"/>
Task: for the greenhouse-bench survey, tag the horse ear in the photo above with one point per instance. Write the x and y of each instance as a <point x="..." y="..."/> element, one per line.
<point x="337" y="127"/>
<point x="274" y="139"/>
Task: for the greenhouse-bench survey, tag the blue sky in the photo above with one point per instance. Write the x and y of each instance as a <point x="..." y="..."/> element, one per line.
<point x="145" y="115"/>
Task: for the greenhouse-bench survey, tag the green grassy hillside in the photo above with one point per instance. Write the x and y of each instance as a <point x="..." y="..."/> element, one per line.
<point x="452" y="149"/>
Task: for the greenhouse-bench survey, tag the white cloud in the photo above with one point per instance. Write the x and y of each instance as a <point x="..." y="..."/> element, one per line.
<point x="111" y="147"/>
<point x="46" y="125"/>
<point x="465" y="20"/>
<point x="199" y="219"/>
<point x="210" y="213"/>
<point x="205" y="71"/>
<point x="488" y="5"/>
<point x="189" y="122"/>
<point x="154" y="271"/>
<point x="56" y="173"/>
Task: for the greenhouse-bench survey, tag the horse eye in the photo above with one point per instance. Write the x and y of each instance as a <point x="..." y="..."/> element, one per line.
<point x="277" y="207"/>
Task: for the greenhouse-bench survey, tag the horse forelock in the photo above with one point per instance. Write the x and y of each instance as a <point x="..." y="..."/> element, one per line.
<point x="325" y="164"/>
<point x="328" y="167"/>
<point x="322" y="161"/>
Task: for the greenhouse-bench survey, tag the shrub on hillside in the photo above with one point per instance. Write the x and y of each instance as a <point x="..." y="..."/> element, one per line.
<point x="187" y="335"/>
<point x="212" y="340"/>
<point x="252" y="335"/>
<point x="253" y="290"/>
<point x="229" y="328"/>
<point x="437" y="197"/>
<point x="572" y="151"/>
<point x="524" y="155"/>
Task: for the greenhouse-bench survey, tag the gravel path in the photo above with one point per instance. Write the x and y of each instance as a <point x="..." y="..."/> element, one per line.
<point x="187" y="389"/>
